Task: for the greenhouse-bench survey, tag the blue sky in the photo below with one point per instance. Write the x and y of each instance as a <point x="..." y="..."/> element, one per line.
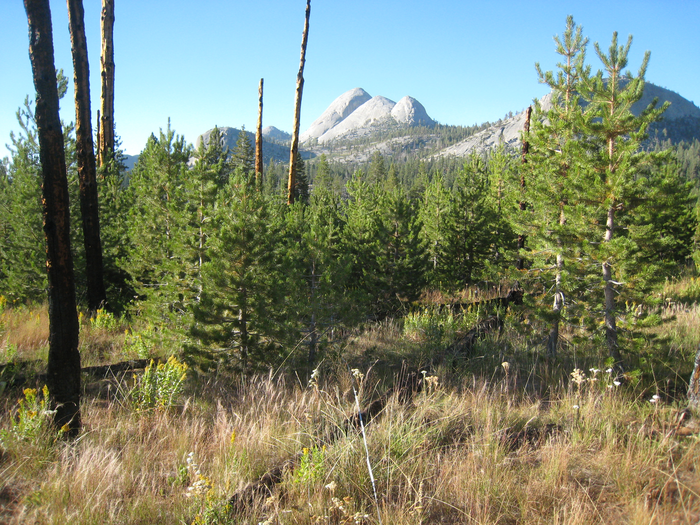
<point x="199" y="63"/>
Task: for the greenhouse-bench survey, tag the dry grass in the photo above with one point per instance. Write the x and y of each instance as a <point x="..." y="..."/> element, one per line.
<point x="482" y="443"/>
<point x="470" y="453"/>
<point x="24" y="333"/>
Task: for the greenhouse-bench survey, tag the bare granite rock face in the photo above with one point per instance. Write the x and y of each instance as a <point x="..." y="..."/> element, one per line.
<point x="409" y="111"/>
<point x="680" y="107"/>
<point x="338" y="111"/>
<point x="272" y="133"/>
<point x="371" y="112"/>
<point x="355" y="113"/>
<point x="508" y="131"/>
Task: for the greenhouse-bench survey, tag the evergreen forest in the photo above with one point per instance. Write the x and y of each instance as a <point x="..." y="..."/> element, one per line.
<point x="465" y="304"/>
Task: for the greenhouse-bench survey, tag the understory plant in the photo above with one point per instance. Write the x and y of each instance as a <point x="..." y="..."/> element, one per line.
<point x="160" y="385"/>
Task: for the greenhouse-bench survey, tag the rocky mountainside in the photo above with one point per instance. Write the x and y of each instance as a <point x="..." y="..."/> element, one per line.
<point x="272" y="148"/>
<point x="338" y="111"/>
<point x="355" y="114"/>
<point x="681" y="122"/>
<point x="276" y="135"/>
<point x="355" y="125"/>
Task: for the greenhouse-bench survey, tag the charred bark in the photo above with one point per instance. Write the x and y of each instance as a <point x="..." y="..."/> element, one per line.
<point x="259" y="139"/>
<point x="520" y="263"/>
<point x="85" y="153"/>
<point x="64" y="358"/>
<point x="294" y="149"/>
<point x="106" y="145"/>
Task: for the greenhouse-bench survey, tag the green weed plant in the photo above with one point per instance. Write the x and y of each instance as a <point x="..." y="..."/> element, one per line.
<point x="435" y="327"/>
<point x="32" y="421"/>
<point x="139" y="343"/>
<point x="311" y="465"/>
<point x="105" y="320"/>
<point x="161" y="385"/>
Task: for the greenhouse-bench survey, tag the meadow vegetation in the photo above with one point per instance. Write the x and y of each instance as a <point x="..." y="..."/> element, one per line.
<point x="495" y="435"/>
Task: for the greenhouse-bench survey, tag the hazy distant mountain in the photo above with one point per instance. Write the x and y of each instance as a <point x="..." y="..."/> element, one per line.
<point x="355" y="114"/>
<point x="277" y="135"/>
<point x="681" y="122"/>
<point x="229" y="136"/>
<point x="130" y="161"/>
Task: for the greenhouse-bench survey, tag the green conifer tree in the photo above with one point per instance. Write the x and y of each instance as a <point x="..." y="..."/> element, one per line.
<point x="240" y="319"/>
<point x="157" y="230"/>
<point x="470" y="241"/>
<point x="23" y="257"/>
<point x="556" y="172"/>
<point x="435" y="204"/>
<point x="243" y="155"/>
<point x="616" y="135"/>
<point x="316" y="268"/>
<point x="301" y="190"/>
<point x="382" y="237"/>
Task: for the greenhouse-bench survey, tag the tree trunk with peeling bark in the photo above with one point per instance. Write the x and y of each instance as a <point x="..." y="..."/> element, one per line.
<point x="85" y="153"/>
<point x="64" y="357"/>
<point x="106" y="146"/>
<point x="294" y="150"/>
<point x="259" y="139"/>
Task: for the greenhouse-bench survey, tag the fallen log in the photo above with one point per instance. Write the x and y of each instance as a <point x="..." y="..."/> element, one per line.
<point x="19" y="373"/>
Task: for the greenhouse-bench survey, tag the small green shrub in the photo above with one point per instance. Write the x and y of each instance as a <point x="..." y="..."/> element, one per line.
<point x="9" y="352"/>
<point x="160" y="385"/>
<point x="311" y="465"/>
<point x="139" y="343"/>
<point x="32" y="420"/>
<point x="436" y="327"/>
<point x="105" y="320"/>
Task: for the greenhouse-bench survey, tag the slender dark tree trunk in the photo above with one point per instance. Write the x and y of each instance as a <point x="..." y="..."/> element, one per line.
<point x="85" y="152"/>
<point x="294" y="150"/>
<point x="64" y="357"/>
<point x="259" y="139"/>
<point x="609" y="293"/>
<point x="106" y="145"/>
<point x="520" y="262"/>
<point x="98" y="138"/>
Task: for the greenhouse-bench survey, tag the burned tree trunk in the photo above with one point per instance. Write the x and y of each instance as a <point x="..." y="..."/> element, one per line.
<point x="85" y="153"/>
<point x="106" y="146"/>
<point x="98" y="139"/>
<point x="259" y="139"/>
<point x="520" y="263"/>
<point x="64" y="358"/>
<point x="294" y="150"/>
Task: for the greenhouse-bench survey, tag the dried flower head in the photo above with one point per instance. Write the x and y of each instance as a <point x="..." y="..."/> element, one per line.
<point x="578" y="376"/>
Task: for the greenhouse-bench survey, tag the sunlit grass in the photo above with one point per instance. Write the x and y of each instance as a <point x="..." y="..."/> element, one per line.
<point x="497" y="435"/>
